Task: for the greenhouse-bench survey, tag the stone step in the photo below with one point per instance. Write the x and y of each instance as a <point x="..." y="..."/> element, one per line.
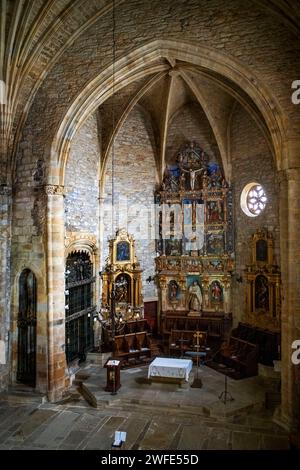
<point x="24" y="396"/>
<point x="216" y="409"/>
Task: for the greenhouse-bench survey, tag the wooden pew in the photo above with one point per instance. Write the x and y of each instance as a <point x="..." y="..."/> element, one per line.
<point x="242" y="356"/>
<point x="181" y="341"/>
<point x="132" y="346"/>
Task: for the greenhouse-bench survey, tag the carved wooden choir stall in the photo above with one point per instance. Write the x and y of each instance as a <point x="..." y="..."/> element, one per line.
<point x="195" y="245"/>
<point x="122" y="297"/>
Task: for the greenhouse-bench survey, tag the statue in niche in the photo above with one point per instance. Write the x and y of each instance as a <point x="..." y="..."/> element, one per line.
<point x="122" y="290"/>
<point x="261" y="293"/>
<point x="195" y="297"/>
<point x="182" y="181"/>
<point x="173" y="290"/>
<point x="216" y="291"/>
<point x="170" y="181"/>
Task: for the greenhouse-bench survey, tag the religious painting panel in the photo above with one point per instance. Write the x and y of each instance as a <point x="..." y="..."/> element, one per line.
<point x="261" y="250"/>
<point x="123" y="251"/>
<point x="173" y="247"/>
<point x="216" y="265"/>
<point x="261" y="293"/>
<point x="215" y="211"/>
<point x="215" y="243"/>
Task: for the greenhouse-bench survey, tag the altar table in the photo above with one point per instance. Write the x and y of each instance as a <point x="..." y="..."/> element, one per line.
<point x="171" y="368"/>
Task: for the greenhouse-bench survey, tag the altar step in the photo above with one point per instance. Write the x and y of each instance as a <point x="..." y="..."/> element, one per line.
<point x="97" y="398"/>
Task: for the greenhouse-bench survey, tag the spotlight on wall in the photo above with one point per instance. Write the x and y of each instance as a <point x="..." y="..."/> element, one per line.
<point x="150" y="279"/>
<point x="66" y="307"/>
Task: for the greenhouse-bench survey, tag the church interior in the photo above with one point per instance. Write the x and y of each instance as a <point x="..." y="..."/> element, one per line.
<point x="149" y="224"/>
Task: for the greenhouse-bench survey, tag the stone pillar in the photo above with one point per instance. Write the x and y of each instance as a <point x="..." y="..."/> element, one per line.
<point x="56" y="297"/>
<point x="5" y="242"/>
<point x="290" y="309"/>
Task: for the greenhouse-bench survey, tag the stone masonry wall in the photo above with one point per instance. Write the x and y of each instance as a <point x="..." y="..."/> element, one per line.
<point x="242" y="30"/>
<point x="190" y="123"/>
<point x="251" y="161"/>
<point x="81" y="180"/>
<point x="134" y="184"/>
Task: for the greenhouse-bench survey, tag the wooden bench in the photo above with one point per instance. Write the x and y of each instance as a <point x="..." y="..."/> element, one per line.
<point x="268" y="342"/>
<point x="132" y="346"/>
<point x="181" y="341"/>
<point x="242" y="356"/>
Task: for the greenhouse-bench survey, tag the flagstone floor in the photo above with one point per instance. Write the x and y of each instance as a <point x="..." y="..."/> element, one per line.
<point x="155" y="416"/>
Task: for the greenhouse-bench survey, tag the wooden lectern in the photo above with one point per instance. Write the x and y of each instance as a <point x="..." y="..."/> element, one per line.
<point x="113" y="383"/>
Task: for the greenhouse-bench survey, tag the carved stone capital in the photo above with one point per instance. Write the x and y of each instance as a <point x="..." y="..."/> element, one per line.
<point x="54" y="190"/>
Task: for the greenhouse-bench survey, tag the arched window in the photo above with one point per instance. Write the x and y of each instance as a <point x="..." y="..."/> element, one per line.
<point x="79" y="305"/>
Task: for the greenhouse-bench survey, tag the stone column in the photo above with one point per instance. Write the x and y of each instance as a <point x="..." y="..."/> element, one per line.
<point x="290" y="294"/>
<point x="5" y="242"/>
<point x="56" y="297"/>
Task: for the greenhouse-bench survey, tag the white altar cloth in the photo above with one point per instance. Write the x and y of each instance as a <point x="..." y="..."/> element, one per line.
<point x="166" y="367"/>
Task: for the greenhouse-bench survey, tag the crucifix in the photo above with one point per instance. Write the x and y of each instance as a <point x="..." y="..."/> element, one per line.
<point x="198" y="335"/>
<point x="197" y="381"/>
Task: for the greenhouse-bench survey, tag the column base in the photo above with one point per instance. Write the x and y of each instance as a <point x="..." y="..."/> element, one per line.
<point x="285" y="421"/>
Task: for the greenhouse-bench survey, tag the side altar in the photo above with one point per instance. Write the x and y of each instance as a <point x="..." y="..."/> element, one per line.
<point x="125" y="331"/>
<point x="195" y="242"/>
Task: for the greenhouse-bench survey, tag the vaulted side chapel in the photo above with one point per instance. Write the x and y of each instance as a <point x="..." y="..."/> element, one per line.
<point x="149" y="200"/>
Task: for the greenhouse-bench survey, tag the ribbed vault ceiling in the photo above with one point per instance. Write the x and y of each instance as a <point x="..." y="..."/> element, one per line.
<point x="34" y="34"/>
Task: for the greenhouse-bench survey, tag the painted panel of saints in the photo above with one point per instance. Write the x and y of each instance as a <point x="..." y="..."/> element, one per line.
<point x="215" y="211"/>
<point x="215" y="243"/>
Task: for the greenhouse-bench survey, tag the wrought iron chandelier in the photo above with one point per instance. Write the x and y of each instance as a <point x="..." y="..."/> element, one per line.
<point x="111" y="316"/>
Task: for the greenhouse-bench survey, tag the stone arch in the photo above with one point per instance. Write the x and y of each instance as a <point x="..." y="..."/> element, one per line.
<point x="137" y="64"/>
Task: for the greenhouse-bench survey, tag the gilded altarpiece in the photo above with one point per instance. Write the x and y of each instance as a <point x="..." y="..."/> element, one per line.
<point x="123" y="271"/>
<point x="263" y="283"/>
<point x="195" y="248"/>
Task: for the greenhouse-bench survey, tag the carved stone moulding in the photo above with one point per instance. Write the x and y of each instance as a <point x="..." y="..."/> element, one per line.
<point x="54" y="189"/>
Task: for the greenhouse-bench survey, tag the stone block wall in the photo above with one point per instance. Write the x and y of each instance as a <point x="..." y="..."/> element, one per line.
<point x="82" y="180"/>
<point x="134" y="183"/>
<point x="190" y="123"/>
<point x="252" y="161"/>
